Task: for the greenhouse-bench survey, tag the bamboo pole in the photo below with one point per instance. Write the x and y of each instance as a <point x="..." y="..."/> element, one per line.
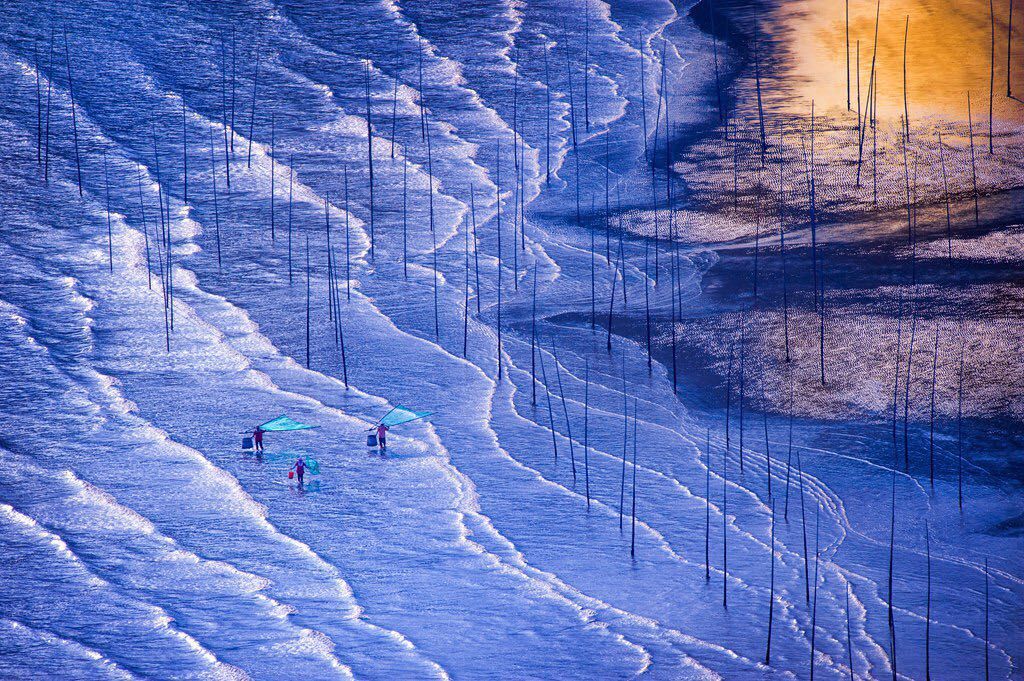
<point x="369" y="157"/>
<point x="348" y="251"/>
<point x="39" y="105"/>
<point x="1009" y="51"/>
<point x="533" y="340"/>
<point x="707" y="509"/>
<point x="308" y="319"/>
<point x="814" y="607"/>
<point x="547" y="119"/>
<point x="551" y="413"/>
<point x="423" y="94"/>
<point x="273" y="173"/>
<point x="960" y="430"/>
<point x="725" y="526"/>
<point x="803" y="525"/>
<point x="216" y="209"/>
<point x="848" y="55"/>
<point x="743" y="384"/>
<point x="625" y="443"/>
<point x="224" y="109"/>
<point x="252" y="114"/>
<point x="782" y="247"/>
<point x="394" y="107"/>
<point x="974" y="172"/>
<point x="233" y="83"/>
<point x="871" y="90"/>
<point x="74" y="118"/>
<point x="892" y="544"/>
<point x="928" y="607"/>
<point x="405" y="220"/>
<point x="849" y="635"/>
<point x="987" y="643"/>
<point x="145" y="230"/>
<point x="718" y="85"/>
<point x="465" y="302"/>
<point x="49" y="99"/>
<point x="771" y="591"/>
<point x="945" y="196"/>
<point x="632" y="523"/>
<point x="497" y="203"/>
<point x="291" y="197"/>
<point x="767" y="444"/>
<point x="906" y="391"/>
<point x="992" y="75"/>
<point x="565" y="410"/>
<point x="789" y="455"/>
<point x="476" y="249"/>
<point x="586" y="65"/>
<point x="586" y="429"/>
<point x="906" y="103"/>
<point x="643" y="93"/>
<point x="931" y="416"/>
<point x="110" y="233"/>
<point x="728" y="398"/>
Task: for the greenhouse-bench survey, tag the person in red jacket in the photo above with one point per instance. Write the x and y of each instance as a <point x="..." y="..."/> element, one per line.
<point x="382" y="436"/>
<point x="257" y="439"/>
<point x="299" y="468"/>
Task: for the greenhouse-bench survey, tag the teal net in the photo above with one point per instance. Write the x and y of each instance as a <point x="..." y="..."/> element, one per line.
<point x="283" y="423"/>
<point x="400" y="415"/>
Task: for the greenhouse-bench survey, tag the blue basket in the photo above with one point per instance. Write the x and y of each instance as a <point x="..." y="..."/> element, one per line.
<point x="247" y="442"/>
<point x="371" y="440"/>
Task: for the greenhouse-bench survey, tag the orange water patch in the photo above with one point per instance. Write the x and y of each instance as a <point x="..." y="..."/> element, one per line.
<point x="948" y="53"/>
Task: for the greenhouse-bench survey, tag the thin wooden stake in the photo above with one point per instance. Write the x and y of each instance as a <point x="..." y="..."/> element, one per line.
<point x="931" y="416"/>
<point x="369" y="156"/>
<point x="814" y="607"/>
<point x="565" y="410"/>
<point x="707" y="509"/>
<point x="110" y="233"/>
<point x="273" y="173"/>
<point x="476" y="249"/>
<point x="348" y="257"/>
<point x="308" y="319"/>
<point x="547" y="118"/>
<point x="632" y="523"/>
<point x="252" y="114"/>
<point x="465" y="302"/>
<point x="803" y="525"/>
<point x="848" y="55"/>
<point x="49" y="92"/>
<point x="625" y="443"/>
<point x="74" y="118"/>
<point x="213" y="182"/>
<point x="551" y="413"/>
<point x="145" y="230"/>
<point x="960" y="429"/>
<point x="533" y="340"/>
<point x="771" y="592"/>
<point x="291" y="196"/>
<point x="992" y="75"/>
<point x="974" y="172"/>
<point x="586" y="428"/>
<point x="928" y="607"/>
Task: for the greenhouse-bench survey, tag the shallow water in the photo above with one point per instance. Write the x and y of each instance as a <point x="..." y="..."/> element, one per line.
<point x="146" y="544"/>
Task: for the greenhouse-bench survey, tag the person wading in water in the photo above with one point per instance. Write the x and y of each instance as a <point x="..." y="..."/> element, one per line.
<point x="299" y="468"/>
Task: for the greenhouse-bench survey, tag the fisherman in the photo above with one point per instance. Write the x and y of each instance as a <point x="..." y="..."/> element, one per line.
<point x="257" y="438"/>
<point x="382" y="436"/>
<point x="299" y="468"/>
